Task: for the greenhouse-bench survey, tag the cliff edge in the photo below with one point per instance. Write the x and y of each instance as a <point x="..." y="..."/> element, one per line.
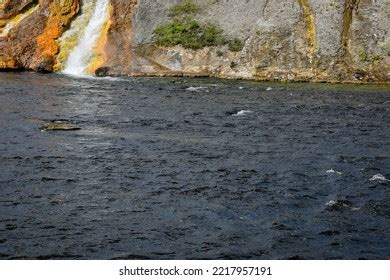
<point x="294" y="40"/>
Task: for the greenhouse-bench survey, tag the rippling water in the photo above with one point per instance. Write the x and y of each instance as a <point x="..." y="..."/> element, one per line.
<point x="193" y="169"/>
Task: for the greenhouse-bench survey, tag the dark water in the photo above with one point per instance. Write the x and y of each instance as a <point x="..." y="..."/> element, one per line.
<point x="158" y="171"/>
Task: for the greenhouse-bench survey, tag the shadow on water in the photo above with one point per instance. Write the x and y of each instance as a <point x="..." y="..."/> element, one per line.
<point x="169" y="168"/>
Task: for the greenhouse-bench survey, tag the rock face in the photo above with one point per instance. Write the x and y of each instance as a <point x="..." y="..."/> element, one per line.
<point x="31" y="44"/>
<point x="300" y="40"/>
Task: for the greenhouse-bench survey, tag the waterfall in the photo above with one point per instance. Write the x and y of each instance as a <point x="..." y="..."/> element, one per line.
<point x="81" y="55"/>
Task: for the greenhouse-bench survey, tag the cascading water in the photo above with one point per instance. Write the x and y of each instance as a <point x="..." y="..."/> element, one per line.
<point x="81" y="55"/>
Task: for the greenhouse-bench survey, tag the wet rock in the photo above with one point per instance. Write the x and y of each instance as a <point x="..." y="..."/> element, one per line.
<point x="44" y="64"/>
<point x="102" y="71"/>
<point x="60" y="125"/>
<point x="339" y="204"/>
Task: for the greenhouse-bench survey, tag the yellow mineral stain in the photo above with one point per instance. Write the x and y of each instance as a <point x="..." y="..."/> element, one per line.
<point x="311" y="30"/>
<point x="7" y="26"/>
<point x="8" y="63"/>
<point x="99" y="56"/>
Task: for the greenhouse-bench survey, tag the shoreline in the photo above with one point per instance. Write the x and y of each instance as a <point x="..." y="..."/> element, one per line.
<point x="222" y="77"/>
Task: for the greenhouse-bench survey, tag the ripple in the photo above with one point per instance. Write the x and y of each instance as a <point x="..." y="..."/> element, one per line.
<point x="162" y="172"/>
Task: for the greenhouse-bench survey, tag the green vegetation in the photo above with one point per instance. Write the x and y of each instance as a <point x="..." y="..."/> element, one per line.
<point x="363" y="55"/>
<point x="184" y="9"/>
<point x="185" y="30"/>
<point x="188" y="33"/>
<point x="236" y="45"/>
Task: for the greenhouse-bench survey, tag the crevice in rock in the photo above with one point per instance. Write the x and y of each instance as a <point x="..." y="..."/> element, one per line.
<point x="349" y="7"/>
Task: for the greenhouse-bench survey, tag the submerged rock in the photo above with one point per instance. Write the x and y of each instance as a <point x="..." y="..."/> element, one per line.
<point x="59" y="125"/>
<point x="339" y="204"/>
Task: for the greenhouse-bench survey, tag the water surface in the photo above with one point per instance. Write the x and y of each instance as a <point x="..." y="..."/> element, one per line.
<point x="193" y="169"/>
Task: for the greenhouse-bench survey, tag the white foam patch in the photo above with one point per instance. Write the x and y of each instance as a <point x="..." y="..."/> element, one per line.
<point x="269" y="89"/>
<point x="197" y="89"/>
<point x="331" y="171"/>
<point x="91" y="77"/>
<point x="379" y="177"/>
<point x="243" y="113"/>
<point x="331" y="203"/>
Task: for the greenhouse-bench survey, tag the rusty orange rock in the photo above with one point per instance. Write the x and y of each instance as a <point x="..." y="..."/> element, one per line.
<point x="119" y="48"/>
<point x="61" y="14"/>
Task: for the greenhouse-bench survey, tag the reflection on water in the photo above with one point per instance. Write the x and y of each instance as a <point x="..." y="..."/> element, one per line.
<point x="225" y="170"/>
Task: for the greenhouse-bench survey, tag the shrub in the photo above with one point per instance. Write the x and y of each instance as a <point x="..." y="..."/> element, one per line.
<point x="236" y="45"/>
<point x="189" y="33"/>
<point x="184" y="30"/>
<point x="183" y="9"/>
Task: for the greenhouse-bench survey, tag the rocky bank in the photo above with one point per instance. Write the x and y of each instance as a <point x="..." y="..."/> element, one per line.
<point x="295" y="40"/>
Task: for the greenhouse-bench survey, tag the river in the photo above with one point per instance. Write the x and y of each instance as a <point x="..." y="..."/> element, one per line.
<point x="177" y="168"/>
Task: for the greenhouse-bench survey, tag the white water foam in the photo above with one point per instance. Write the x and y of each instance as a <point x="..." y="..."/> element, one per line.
<point x="379" y="177"/>
<point x="243" y="113"/>
<point x="330" y="171"/>
<point x="331" y="203"/>
<point x="81" y="55"/>
<point x="197" y="89"/>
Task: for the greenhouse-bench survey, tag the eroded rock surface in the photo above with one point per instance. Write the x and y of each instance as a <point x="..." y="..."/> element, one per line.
<point x="31" y="44"/>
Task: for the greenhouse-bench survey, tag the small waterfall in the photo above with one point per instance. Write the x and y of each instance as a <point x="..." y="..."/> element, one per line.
<point x="81" y="55"/>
